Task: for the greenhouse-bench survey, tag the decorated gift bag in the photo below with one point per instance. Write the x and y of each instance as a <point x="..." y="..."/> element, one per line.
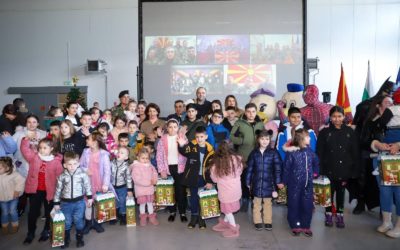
<point x="390" y="170"/>
<point x="105" y="207"/>
<point x="209" y="204"/>
<point x="282" y="196"/>
<point x="130" y="212"/>
<point x="57" y="226"/>
<point x="165" y="192"/>
<point x="322" y="191"/>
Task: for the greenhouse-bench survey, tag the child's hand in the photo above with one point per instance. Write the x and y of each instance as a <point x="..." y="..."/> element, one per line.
<point x="104" y="188"/>
<point x="5" y="134"/>
<point x="89" y="203"/>
<point x="154" y="182"/>
<point x="57" y="208"/>
<point x="130" y="194"/>
<point x="16" y="194"/>
<point x="85" y="131"/>
<point x="208" y="186"/>
<point x="182" y="140"/>
<point x="140" y="136"/>
<point x="280" y="185"/>
<point x="159" y="131"/>
<point x="394" y="148"/>
<point x="164" y="175"/>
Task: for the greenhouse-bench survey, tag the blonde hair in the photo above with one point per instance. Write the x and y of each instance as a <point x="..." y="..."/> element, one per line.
<point x="299" y="137"/>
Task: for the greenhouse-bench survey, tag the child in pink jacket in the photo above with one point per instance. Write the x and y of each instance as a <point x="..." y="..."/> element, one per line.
<point x="171" y="162"/>
<point x="44" y="168"/>
<point x="144" y="176"/>
<point x="225" y="171"/>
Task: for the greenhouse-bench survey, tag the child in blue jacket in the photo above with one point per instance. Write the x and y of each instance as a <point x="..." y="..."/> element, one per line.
<point x="300" y="167"/>
<point x="216" y="132"/>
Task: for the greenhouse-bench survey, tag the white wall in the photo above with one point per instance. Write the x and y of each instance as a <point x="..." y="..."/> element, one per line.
<point x="34" y="37"/>
<point x="354" y="32"/>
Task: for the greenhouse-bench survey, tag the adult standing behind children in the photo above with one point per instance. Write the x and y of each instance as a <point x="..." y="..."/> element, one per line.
<point x="123" y="104"/>
<point x="243" y="136"/>
<point x="152" y="126"/>
<point x="203" y="105"/>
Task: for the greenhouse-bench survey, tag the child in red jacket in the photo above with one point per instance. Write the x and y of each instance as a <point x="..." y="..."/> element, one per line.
<point x="44" y="168"/>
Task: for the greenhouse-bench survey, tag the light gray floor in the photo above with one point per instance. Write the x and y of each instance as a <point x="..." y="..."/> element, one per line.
<point x="359" y="234"/>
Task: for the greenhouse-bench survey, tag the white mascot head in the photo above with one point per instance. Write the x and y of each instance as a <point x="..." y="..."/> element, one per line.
<point x="293" y="97"/>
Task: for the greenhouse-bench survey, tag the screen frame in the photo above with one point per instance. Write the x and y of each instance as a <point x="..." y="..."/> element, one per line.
<point x="139" y="69"/>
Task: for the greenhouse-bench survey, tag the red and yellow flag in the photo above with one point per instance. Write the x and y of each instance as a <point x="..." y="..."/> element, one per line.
<point x="342" y="99"/>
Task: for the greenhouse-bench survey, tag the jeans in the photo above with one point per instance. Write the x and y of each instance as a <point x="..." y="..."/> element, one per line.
<point x="74" y="212"/>
<point x="121" y="192"/>
<point x="386" y="195"/>
<point x="9" y="211"/>
<point x="194" y="196"/>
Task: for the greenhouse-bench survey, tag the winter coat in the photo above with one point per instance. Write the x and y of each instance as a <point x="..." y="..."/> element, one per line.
<point x="339" y="154"/>
<point x="72" y="187"/>
<point x="229" y="187"/>
<point x="243" y="135"/>
<point x="53" y="170"/>
<point x="22" y="164"/>
<point x="10" y="183"/>
<point x="121" y="174"/>
<point x="300" y="167"/>
<point x="263" y="172"/>
<point x="192" y="168"/>
<point x="217" y="134"/>
<point x="7" y="146"/>
<point x="162" y="157"/>
<point x="105" y="165"/>
<point x="143" y="175"/>
<point x="191" y="128"/>
<point x="285" y="135"/>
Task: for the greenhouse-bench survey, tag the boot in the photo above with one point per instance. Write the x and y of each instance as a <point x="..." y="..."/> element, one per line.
<point x="153" y="219"/>
<point x="202" y="223"/>
<point x="29" y="238"/>
<point x="97" y="226"/>
<point x="143" y="219"/>
<point x="44" y="235"/>
<point x="4" y="228"/>
<point x="122" y="219"/>
<point x="328" y="219"/>
<point x="88" y="226"/>
<point x="360" y="207"/>
<point x="14" y="228"/>
<point x="113" y="222"/>
<point x="194" y="219"/>
<point x="386" y="223"/>
<point x="339" y="221"/>
<point x="67" y="239"/>
<point x="395" y="232"/>
<point x="221" y="226"/>
<point x="79" y="239"/>
<point x="232" y="232"/>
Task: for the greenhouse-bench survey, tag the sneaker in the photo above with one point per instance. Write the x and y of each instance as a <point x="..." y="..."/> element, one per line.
<point x="183" y="218"/>
<point x="97" y="226"/>
<point x="328" y="220"/>
<point x="259" y="226"/>
<point x="307" y="232"/>
<point x="268" y="227"/>
<point x="339" y="221"/>
<point x="296" y="232"/>
<point x="44" y="236"/>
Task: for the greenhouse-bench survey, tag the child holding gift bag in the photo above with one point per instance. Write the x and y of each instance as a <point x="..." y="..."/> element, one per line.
<point x="72" y="185"/>
<point x="144" y="177"/>
<point x="95" y="161"/>
<point x="225" y="171"/>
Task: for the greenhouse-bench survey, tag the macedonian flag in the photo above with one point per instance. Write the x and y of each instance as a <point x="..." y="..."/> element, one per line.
<point x="226" y="57"/>
<point x="244" y="73"/>
<point x="342" y="99"/>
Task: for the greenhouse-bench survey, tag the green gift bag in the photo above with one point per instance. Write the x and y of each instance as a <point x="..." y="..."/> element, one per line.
<point x="209" y="204"/>
<point x="105" y="207"/>
<point x="130" y="212"/>
<point x="57" y="226"/>
<point x="322" y="191"/>
<point x="165" y="192"/>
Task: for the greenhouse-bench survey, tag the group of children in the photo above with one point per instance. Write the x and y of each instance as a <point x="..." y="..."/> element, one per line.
<point x="68" y="168"/>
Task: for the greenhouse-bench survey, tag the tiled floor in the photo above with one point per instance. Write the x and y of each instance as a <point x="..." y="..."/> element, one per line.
<point x="359" y="234"/>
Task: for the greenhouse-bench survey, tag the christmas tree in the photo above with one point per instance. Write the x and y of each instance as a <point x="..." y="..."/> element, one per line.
<point x="75" y="95"/>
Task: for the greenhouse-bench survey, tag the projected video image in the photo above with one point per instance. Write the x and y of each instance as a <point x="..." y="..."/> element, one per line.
<point x="186" y="79"/>
<point x="170" y="50"/>
<point x="223" y="49"/>
<point x="245" y="79"/>
<point x="276" y="49"/>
